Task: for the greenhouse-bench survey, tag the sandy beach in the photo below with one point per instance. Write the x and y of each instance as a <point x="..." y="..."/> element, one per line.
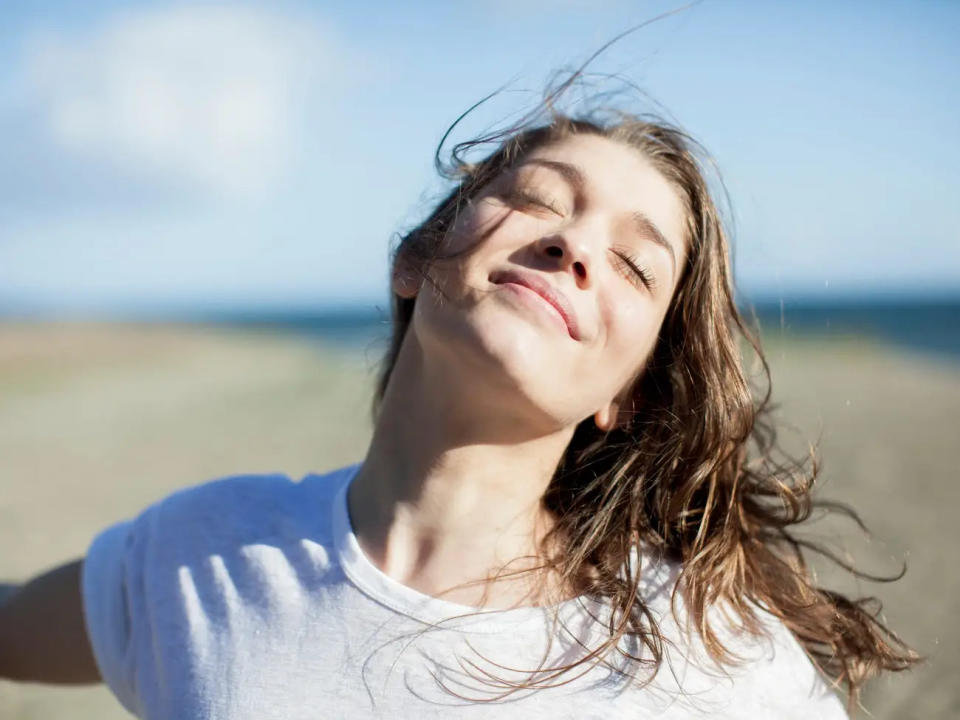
<point x="97" y="421"/>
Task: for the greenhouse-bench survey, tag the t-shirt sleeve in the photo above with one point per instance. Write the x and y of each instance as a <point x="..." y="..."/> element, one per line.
<point x="106" y="589"/>
<point x="137" y="612"/>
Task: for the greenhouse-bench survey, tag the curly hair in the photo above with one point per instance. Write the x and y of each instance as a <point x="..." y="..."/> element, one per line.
<point x="696" y="473"/>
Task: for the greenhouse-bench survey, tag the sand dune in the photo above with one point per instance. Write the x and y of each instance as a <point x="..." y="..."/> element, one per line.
<point x="97" y="421"/>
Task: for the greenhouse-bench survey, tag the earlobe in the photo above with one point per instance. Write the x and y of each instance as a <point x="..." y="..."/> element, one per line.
<point x="618" y="413"/>
<point x="606" y="417"/>
<point x="405" y="281"/>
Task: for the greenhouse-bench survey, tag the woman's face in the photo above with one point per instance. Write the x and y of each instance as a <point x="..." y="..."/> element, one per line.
<point x="558" y="277"/>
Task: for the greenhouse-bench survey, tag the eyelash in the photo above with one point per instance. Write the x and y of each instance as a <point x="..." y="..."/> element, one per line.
<point x="629" y="265"/>
<point x="527" y="197"/>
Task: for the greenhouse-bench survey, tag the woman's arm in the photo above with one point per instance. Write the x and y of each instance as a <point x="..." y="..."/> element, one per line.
<point x="43" y="636"/>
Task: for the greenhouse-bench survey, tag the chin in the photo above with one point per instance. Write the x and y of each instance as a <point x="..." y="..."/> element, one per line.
<point x="504" y="354"/>
<point x="527" y="357"/>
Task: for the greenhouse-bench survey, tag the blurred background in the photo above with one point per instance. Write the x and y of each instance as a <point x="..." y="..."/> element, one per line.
<point x="197" y="203"/>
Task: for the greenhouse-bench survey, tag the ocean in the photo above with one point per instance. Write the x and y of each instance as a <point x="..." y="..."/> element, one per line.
<point x="924" y="326"/>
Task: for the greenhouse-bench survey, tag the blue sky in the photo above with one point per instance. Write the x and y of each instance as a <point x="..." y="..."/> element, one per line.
<point x="264" y="154"/>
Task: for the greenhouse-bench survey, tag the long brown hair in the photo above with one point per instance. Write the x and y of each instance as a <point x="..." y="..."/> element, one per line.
<point x="696" y="474"/>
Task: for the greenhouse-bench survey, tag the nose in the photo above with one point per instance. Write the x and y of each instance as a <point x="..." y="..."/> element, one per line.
<point x="565" y="253"/>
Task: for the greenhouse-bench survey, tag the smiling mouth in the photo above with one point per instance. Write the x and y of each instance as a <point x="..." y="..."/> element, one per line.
<point x="556" y="301"/>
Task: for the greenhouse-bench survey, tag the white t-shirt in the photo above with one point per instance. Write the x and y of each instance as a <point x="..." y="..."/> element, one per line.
<point x="249" y="597"/>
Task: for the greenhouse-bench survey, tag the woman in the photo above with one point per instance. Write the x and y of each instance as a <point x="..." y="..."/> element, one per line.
<point x="556" y="517"/>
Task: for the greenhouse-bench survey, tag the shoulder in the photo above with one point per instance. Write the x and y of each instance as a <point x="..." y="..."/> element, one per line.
<point x="173" y="575"/>
<point x="788" y="677"/>
<point x="222" y="515"/>
<point x="246" y="508"/>
<point x="769" y="675"/>
<point x="773" y="676"/>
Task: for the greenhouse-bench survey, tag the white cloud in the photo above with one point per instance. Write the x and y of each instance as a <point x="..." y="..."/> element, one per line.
<point x="211" y="97"/>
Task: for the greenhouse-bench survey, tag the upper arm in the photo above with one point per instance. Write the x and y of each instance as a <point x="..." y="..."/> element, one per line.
<point x="43" y="635"/>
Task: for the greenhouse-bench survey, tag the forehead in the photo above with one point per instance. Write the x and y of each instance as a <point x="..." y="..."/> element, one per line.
<point x="616" y="175"/>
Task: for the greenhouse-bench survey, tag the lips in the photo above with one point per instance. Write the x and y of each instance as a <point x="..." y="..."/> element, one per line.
<point x="545" y="290"/>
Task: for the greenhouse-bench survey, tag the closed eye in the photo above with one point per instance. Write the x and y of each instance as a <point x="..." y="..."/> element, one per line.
<point x="523" y="198"/>
<point x="629" y="266"/>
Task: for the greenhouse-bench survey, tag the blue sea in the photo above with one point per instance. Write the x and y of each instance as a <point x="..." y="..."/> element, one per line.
<point x="926" y="326"/>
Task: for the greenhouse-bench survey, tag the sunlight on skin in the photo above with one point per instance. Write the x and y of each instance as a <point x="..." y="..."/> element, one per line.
<point x="473" y="402"/>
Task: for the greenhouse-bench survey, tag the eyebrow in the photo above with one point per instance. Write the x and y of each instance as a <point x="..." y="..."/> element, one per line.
<point x="649" y="228"/>
<point x="575" y="177"/>
<point x="572" y="173"/>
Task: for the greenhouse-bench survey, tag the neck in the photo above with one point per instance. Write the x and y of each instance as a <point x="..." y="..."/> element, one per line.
<point x="450" y="491"/>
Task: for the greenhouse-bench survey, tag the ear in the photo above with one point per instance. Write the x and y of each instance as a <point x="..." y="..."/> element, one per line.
<point x="606" y="417"/>
<point x="405" y="279"/>
<point x="618" y="412"/>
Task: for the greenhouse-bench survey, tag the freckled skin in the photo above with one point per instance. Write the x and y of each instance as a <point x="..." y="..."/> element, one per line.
<point x="534" y="219"/>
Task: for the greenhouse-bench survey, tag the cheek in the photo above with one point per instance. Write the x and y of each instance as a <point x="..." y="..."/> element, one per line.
<point x="633" y="326"/>
<point x="473" y="226"/>
<point x="468" y="250"/>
